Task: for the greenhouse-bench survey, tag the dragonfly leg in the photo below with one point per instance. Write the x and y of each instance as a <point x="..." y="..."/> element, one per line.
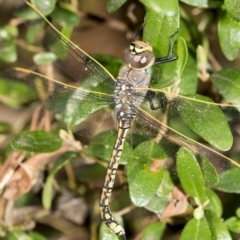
<point x="105" y="211"/>
<point x="172" y="56"/>
<point x="162" y="102"/>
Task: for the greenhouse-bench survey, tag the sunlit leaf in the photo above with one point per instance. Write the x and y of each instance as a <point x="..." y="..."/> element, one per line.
<point x="228" y="31"/>
<point x="190" y="174"/>
<point x="195" y="230"/>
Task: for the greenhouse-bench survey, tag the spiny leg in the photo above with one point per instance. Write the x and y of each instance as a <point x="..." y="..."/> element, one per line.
<point x="105" y="211"/>
<point x="172" y="56"/>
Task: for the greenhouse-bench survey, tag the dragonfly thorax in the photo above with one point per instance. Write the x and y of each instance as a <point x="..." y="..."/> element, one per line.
<point x="128" y="93"/>
<point x="139" y="55"/>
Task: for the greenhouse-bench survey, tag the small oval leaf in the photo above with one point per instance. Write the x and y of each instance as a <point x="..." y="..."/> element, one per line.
<point x="209" y="172"/>
<point x="45" y="7"/>
<point x="215" y="204"/>
<point x="190" y="174"/>
<point x="217" y="227"/>
<point x="207" y="121"/>
<point x="229" y="181"/>
<point x="154" y="231"/>
<point x="36" y="141"/>
<point x="196" y="230"/>
<point x="44" y="58"/>
<point x="233" y="224"/>
<point x="229" y="36"/>
<point x="145" y="172"/>
<point x="227" y="82"/>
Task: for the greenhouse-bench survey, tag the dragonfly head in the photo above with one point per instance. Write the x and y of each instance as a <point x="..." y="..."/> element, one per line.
<point x="139" y="55"/>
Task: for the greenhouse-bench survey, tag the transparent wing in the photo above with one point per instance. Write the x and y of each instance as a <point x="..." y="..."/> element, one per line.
<point x="71" y="59"/>
<point x="73" y="105"/>
<point x="193" y="122"/>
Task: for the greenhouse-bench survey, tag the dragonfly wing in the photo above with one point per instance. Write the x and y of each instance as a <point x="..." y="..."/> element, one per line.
<point x="70" y="58"/>
<point x="73" y="105"/>
<point x="199" y="113"/>
<point x="161" y="131"/>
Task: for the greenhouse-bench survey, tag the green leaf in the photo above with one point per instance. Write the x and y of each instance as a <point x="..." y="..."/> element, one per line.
<point x="157" y="204"/>
<point x="102" y="145"/>
<point x="5" y="127"/>
<point x="233" y="8"/>
<point x="145" y="172"/>
<point x="44" y="58"/>
<point x="196" y="230"/>
<point x="45" y="7"/>
<point x="163" y="7"/>
<point x="203" y="3"/>
<point x="36" y="141"/>
<point x="16" y="235"/>
<point x="106" y="233"/>
<point x="227" y="82"/>
<point x="189" y="80"/>
<point x="208" y="121"/>
<point x="229" y="181"/>
<point x="14" y="93"/>
<point x="111" y="63"/>
<point x="8" y="52"/>
<point x="233" y="224"/>
<point x="217" y="227"/>
<point x="47" y="190"/>
<point x="190" y="174"/>
<point x="153" y="231"/>
<point x="228" y="31"/>
<point x="167" y="15"/>
<point x="35" y="26"/>
<point x="209" y="173"/>
<point x="238" y="212"/>
<point x="215" y="204"/>
<point x="114" y="5"/>
<point x="8" y="32"/>
<point x="64" y="17"/>
<point x="169" y="76"/>
<point x="37" y="236"/>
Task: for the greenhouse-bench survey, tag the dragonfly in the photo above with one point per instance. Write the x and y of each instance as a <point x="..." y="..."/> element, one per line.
<point x="124" y="96"/>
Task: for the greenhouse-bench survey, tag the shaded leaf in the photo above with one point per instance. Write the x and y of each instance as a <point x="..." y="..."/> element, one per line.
<point x="145" y="171"/>
<point x="215" y="204"/>
<point x="47" y="190"/>
<point x="233" y="224"/>
<point x="229" y="181"/>
<point x="209" y="173"/>
<point x="64" y="17"/>
<point x="36" y="141"/>
<point x="153" y="231"/>
<point x="227" y="82"/>
<point x="218" y="229"/>
<point x="114" y="5"/>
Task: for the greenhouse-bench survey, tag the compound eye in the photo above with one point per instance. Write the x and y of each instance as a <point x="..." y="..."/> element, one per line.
<point x="139" y="55"/>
